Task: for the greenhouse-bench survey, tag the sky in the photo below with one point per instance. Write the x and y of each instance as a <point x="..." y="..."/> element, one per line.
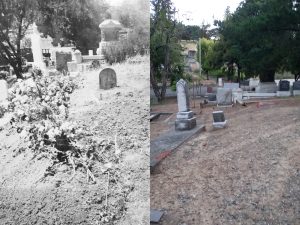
<point x="194" y="12"/>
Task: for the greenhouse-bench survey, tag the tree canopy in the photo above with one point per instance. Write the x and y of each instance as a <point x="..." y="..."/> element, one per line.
<point x="262" y="37"/>
<point x="165" y="50"/>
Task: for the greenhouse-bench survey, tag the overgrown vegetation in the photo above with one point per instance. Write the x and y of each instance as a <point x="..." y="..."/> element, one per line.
<point x="40" y="106"/>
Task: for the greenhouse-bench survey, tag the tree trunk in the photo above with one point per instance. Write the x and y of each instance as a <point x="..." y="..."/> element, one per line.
<point x="267" y="76"/>
<point x="154" y="85"/>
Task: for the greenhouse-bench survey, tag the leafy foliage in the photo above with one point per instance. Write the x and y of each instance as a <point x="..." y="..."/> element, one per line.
<point x="261" y="37"/>
<point x="165" y="49"/>
<point x="40" y="105"/>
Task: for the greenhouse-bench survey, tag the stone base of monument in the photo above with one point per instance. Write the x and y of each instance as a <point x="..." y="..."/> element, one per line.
<point x="266" y="87"/>
<point x="220" y="124"/>
<point x="283" y="93"/>
<point x="296" y="92"/>
<point x="74" y="74"/>
<point x="185" y="124"/>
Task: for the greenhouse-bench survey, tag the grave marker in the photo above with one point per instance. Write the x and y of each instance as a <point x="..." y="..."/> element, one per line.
<point x="185" y="119"/>
<point x="224" y="96"/>
<point x="107" y="79"/>
<point x="296" y="88"/>
<point x="219" y="119"/>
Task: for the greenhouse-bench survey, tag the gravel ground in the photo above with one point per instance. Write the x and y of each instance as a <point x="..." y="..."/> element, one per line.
<point x="248" y="173"/>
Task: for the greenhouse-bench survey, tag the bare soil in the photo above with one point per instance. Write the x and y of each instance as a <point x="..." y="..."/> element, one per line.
<point x="247" y="173"/>
<point x="120" y="196"/>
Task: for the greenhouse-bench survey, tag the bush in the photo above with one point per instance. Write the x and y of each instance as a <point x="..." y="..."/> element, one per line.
<point x="3" y="75"/>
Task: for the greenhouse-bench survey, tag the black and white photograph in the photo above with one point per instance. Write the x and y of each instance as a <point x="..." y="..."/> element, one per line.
<point x="74" y="108"/>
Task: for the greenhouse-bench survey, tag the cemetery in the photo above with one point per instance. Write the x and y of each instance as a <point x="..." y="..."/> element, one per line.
<point x="239" y="150"/>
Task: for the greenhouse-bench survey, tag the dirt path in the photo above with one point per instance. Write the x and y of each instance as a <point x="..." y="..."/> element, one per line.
<point x="27" y="197"/>
<point x="247" y="173"/>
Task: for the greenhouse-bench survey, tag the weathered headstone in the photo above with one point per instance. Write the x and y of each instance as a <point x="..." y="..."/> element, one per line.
<point x="219" y="119"/>
<point x="296" y="88"/>
<point x="296" y="85"/>
<point x="224" y="96"/>
<point x="91" y="53"/>
<point x="3" y="90"/>
<point x="62" y="58"/>
<point x="283" y="88"/>
<point x="78" y="56"/>
<point x="284" y="85"/>
<point x="107" y="79"/>
<point x="185" y="119"/>
<point x="220" y="82"/>
<point x="182" y="96"/>
<point x="212" y="97"/>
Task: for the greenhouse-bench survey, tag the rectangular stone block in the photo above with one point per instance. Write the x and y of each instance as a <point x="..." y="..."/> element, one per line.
<point x="185" y="115"/>
<point x="72" y="66"/>
<point x="283" y="93"/>
<point x="224" y="96"/>
<point x="185" y="124"/>
<point x="296" y="85"/>
<point x="296" y="92"/>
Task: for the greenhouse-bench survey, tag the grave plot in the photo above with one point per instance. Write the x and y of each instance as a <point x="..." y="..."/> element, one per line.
<point x="69" y="157"/>
<point x="244" y="174"/>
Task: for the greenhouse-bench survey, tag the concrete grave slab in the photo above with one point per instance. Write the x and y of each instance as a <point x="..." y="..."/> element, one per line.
<point x="283" y="93"/>
<point x="296" y="92"/>
<point x="107" y="79"/>
<point x="155" y="216"/>
<point x="163" y="145"/>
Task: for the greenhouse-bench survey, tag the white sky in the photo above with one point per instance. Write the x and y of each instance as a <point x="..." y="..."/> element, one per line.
<point x="194" y="12"/>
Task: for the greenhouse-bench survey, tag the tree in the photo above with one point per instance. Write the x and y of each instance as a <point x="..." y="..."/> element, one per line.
<point x="257" y="34"/>
<point x="72" y="20"/>
<point x="165" y="49"/>
<point x="15" y="18"/>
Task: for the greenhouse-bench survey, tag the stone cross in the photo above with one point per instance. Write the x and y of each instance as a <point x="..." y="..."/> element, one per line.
<point x="182" y="90"/>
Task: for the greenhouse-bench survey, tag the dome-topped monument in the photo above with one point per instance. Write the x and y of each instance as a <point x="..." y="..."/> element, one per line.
<point x="110" y="33"/>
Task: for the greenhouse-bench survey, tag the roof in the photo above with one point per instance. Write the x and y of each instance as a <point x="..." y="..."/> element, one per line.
<point x="110" y="24"/>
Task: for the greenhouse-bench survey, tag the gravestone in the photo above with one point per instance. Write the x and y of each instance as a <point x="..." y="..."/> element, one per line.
<point x="219" y="119"/>
<point x="77" y="56"/>
<point x="62" y="58"/>
<point x="266" y="87"/>
<point x="212" y="97"/>
<point x="296" y="88"/>
<point x="91" y="53"/>
<point x="284" y="85"/>
<point x="185" y="119"/>
<point x="107" y="79"/>
<point x="283" y="89"/>
<point x="3" y="90"/>
<point x="224" y="96"/>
